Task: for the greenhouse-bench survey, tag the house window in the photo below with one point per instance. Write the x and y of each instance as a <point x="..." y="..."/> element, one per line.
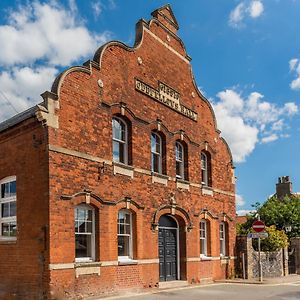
<point x="203" y="238"/>
<point x="204" y="171"/>
<point x="84" y="233"/>
<point x="179" y="151"/>
<point x="156" y="153"/>
<point x="8" y="201"/>
<point x="124" y="234"/>
<point x="120" y="141"/>
<point x="223" y="239"/>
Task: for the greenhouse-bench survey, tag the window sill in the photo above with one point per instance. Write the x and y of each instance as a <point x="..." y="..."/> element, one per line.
<point x="124" y="262"/>
<point x="87" y="264"/>
<point x="182" y="184"/>
<point x="4" y="240"/>
<point x="205" y="258"/>
<point x="207" y="190"/>
<point x="123" y="169"/>
<point x="87" y="268"/>
<point x="160" y="178"/>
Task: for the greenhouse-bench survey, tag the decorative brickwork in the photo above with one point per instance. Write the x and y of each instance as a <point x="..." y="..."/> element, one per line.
<point x="63" y="156"/>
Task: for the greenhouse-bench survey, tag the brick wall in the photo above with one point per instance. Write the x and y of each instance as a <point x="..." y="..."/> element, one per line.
<point x="81" y="171"/>
<point x="22" y="262"/>
<point x="85" y="117"/>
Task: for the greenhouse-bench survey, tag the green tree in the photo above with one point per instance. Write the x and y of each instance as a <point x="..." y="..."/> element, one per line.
<point x="276" y="214"/>
<point x="281" y="213"/>
<point x="277" y="239"/>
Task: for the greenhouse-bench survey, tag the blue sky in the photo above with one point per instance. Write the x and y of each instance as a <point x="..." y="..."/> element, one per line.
<point x="245" y="58"/>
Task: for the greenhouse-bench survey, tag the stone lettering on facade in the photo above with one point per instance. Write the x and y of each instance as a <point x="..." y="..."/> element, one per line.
<point x="167" y="96"/>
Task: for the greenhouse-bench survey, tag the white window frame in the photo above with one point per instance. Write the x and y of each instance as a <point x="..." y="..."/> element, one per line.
<point x="124" y="142"/>
<point x="180" y="161"/>
<point x="7" y="200"/>
<point x="92" y="257"/>
<point x="130" y="256"/>
<point x="222" y="233"/>
<point x="204" y="171"/>
<point x="158" y="154"/>
<point x="203" y="238"/>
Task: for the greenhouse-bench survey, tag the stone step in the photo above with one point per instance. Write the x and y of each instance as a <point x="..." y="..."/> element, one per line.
<point x="173" y="284"/>
<point x="206" y="280"/>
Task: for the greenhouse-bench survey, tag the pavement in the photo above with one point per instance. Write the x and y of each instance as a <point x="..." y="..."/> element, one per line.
<point x="276" y="281"/>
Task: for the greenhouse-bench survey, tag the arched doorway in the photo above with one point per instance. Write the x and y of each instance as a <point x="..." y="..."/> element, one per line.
<point x="168" y="248"/>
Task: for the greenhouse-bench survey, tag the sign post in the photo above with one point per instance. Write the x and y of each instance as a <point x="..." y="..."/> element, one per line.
<point x="259" y="226"/>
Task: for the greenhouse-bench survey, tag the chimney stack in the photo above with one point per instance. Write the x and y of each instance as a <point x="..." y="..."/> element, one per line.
<point x="283" y="187"/>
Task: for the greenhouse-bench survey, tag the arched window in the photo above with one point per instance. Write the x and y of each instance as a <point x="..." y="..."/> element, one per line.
<point x="84" y="233"/>
<point x="203" y="238"/>
<point x="8" y="209"/>
<point x="179" y="153"/>
<point x="120" y="140"/>
<point x="125" y="250"/>
<point x="223" y="239"/>
<point x="206" y="169"/>
<point x="156" y="153"/>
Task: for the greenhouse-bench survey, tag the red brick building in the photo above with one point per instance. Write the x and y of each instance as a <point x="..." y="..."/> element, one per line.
<point x="119" y="179"/>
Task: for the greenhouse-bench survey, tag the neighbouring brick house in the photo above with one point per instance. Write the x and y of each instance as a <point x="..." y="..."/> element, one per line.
<point x="119" y="179"/>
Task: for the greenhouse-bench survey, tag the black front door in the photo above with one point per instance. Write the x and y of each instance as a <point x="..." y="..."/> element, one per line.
<point x="167" y="245"/>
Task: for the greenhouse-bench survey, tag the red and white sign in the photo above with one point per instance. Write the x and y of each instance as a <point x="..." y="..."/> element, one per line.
<point x="258" y="226"/>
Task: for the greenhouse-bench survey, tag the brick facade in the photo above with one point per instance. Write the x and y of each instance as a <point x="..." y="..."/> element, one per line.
<point x="61" y="156"/>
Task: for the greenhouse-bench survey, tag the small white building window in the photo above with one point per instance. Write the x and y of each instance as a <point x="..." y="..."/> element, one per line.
<point x="203" y="238"/>
<point x="204" y="170"/>
<point x="179" y="151"/>
<point x="156" y="153"/>
<point x="223" y="239"/>
<point x="120" y="141"/>
<point x="84" y="233"/>
<point x="124" y="234"/>
<point x="8" y="209"/>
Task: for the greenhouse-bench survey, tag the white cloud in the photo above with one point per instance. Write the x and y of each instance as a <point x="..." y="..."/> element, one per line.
<point x="256" y="8"/>
<point x="244" y="212"/>
<point x="97" y="8"/>
<point x="37" y="39"/>
<point x="240" y="136"/>
<point x="244" y="121"/>
<point x="231" y="101"/>
<point x="290" y="108"/>
<point x="252" y="9"/>
<point x="271" y="138"/>
<point x="22" y="87"/>
<point x="278" y="125"/>
<point x="46" y="31"/>
<point x="293" y="63"/>
<point x="295" y="84"/>
<point x="237" y="14"/>
<point x="73" y="6"/>
<point x="239" y="201"/>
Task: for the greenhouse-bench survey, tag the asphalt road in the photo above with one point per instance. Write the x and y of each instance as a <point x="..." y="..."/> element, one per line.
<point x="229" y="291"/>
